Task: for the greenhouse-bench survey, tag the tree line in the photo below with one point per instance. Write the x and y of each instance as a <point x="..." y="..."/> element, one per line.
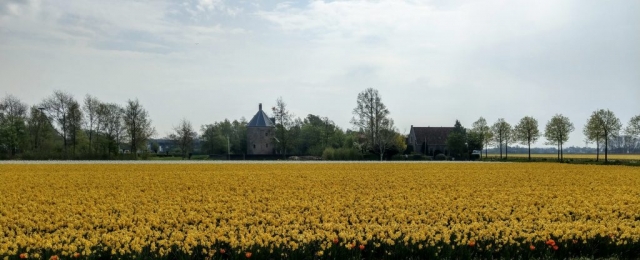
<point x="60" y="127"/>
<point x="601" y="128"/>
<point x="314" y="135"/>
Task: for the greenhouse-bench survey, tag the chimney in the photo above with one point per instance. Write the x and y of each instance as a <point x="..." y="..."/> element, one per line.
<point x="260" y="107"/>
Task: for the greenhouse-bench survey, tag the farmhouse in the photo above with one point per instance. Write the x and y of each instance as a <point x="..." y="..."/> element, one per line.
<point x="429" y="140"/>
<point x="261" y="134"/>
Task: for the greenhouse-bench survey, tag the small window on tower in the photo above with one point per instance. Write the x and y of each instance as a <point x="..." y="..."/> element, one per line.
<point x="267" y="145"/>
<point x="254" y="146"/>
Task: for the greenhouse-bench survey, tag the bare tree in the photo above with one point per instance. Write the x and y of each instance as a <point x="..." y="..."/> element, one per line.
<point x="111" y="125"/>
<point x="284" y="122"/>
<point x="138" y="125"/>
<point x="74" y="124"/>
<point x="387" y="136"/>
<point x="183" y="136"/>
<point x="527" y="132"/>
<point x="557" y="132"/>
<point x="484" y="131"/>
<point x="90" y="108"/>
<point x="501" y="131"/>
<point x="370" y="115"/>
<point x="57" y="106"/>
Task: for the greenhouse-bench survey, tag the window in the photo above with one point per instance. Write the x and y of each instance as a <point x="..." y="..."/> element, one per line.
<point x="254" y="146"/>
<point x="267" y="145"/>
<point x="266" y="134"/>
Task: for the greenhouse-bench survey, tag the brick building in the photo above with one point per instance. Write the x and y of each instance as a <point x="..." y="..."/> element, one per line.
<point x="429" y="140"/>
<point x="261" y="134"/>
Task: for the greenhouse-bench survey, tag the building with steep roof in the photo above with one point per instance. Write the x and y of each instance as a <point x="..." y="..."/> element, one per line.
<point x="429" y="140"/>
<point x="261" y="133"/>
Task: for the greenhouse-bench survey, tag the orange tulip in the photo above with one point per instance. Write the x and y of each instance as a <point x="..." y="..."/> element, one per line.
<point x="550" y="242"/>
<point x="24" y="256"/>
<point x="54" y="257"/>
<point x="335" y="241"/>
<point x="361" y="247"/>
<point x="76" y="255"/>
<point x="247" y="254"/>
<point x="555" y="247"/>
<point x="222" y="251"/>
<point x="472" y="243"/>
<point x="532" y="247"/>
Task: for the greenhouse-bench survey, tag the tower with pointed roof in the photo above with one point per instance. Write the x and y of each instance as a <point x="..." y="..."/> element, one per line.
<point x="260" y="134"/>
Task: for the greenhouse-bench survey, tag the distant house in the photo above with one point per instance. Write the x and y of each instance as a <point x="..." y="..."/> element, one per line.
<point x="166" y="146"/>
<point x="261" y="134"/>
<point x="429" y="140"/>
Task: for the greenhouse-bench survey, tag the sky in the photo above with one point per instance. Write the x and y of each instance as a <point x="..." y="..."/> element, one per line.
<point x="433" y="62"/>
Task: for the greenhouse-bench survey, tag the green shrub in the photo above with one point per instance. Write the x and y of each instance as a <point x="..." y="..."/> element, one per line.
<point x="328" y="154"/>
<point x="412" y="157"/>
<point x="399" y="157"/>
<point x="440" y="157"/>
<point x="341" y="154"/>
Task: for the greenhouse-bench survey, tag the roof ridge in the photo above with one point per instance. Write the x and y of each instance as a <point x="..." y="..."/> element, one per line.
<point x="260" y="119"/>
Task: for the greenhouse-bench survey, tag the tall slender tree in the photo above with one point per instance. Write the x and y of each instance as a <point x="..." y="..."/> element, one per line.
<point x="593" y="132"/>
<point x="138" y="126"/>
<point x="74" y="124"/>
<point x="501" y="131"/>
<point x="527" y="132"/>
<point x="284" y="122"/>
<point x="386" y="136"/>
<point x="371" y="118"/>
<point x="557" y="132"/>
<point x="57" y="106"/>
<point x="90" y="108"/>
<point x="112" y="126"/>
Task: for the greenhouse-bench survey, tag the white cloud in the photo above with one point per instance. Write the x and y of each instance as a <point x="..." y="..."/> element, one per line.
<point x="433" y="61"/>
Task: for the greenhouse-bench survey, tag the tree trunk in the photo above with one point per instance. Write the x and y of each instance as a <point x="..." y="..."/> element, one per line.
<point x="529" y="150"/>
<point x="90" y="140"/>
<point x="606" y="147"/>
<point x="506" y="150"/>
<point x="597" y="150"/>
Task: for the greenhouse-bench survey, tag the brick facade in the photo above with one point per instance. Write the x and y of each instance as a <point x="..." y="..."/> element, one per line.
<point x="260" y="140"/>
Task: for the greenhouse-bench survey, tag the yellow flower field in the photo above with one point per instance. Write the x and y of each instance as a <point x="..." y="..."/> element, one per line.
<point x="323" y="210"/>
